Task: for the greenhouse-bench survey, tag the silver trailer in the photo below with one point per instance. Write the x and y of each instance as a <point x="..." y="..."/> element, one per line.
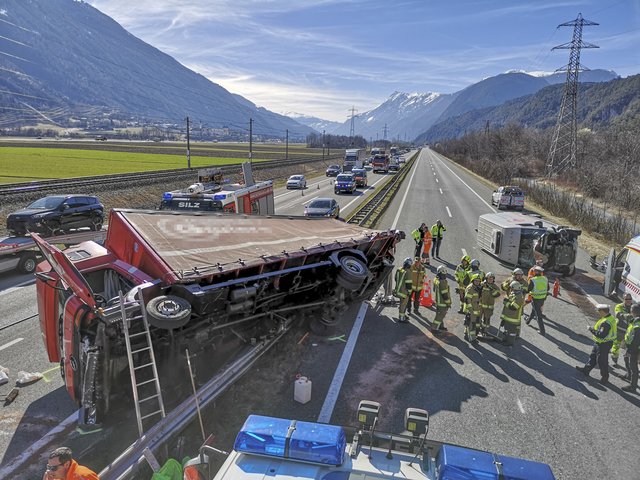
<point x="524" y="240"/>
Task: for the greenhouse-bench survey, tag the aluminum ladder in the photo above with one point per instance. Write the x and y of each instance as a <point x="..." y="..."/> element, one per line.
<point x="141" y="365"/>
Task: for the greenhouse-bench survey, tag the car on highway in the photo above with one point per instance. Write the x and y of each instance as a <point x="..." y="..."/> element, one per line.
<point x="345" y="182"/>
<point x="322" y="207"/>
<point x="508" y="197"/>
<point x="394" y="165"/>
<point x="57" y="213"/>
<point x="333" y="170"/>
<point x="360" y="175"/>
<point x="296" y="181"/>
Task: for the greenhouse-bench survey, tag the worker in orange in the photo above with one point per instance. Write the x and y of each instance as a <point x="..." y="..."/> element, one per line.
<point x="61" y="465"/>
<point x="427" y="240"/>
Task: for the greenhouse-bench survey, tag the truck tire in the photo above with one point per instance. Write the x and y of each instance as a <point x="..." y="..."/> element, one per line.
<point x="168" y="312"/>
<point x="353" y="271"/>
<point x="28" y="263"/>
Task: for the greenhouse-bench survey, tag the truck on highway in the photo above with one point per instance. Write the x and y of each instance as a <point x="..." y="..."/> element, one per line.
<point x="524" y="240"/>
<point x="353" y="158"/>
<point x="201" y="281"/>
<point x="22" y="254"/>
<point x="380" y="163"/>
<point x="508" y="197"/>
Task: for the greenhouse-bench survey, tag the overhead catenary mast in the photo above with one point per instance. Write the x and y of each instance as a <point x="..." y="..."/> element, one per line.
<point x="562" y="153"/>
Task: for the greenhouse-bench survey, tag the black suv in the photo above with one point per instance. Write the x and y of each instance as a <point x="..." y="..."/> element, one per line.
<point x="57" y="214"/>
<point x="333" y="170"/>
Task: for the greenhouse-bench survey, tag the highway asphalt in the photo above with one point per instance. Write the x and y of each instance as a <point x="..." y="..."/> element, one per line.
<point x="525" y="400"/>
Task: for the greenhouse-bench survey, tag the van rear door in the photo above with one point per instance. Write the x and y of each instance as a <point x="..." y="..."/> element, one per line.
<point x="67" y="271"/>
<point x="609" y="287"/>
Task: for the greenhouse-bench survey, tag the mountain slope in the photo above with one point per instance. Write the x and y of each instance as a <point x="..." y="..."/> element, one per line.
<point x="599" y="105"/>
<point x="66" y="58"/>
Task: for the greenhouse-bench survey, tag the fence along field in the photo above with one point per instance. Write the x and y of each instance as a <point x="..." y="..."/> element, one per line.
<point x="40" y="161"/>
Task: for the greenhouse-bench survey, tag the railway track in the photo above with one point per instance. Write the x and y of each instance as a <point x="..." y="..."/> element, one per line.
<point x="368" y="214"/>
<point x="123" y="178"/>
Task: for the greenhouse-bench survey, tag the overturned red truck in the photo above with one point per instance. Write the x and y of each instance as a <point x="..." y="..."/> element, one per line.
<point x="198" y="274"/>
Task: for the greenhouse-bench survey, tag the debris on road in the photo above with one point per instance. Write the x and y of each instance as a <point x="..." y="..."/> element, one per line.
<point x="26" y="378"/>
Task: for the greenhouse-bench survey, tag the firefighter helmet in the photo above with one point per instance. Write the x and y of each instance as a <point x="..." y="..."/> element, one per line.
<point x="515" y="286"/>
<point x="476" y="277"/>
<point x="407" y="262"/>
<point x="442" y="270"/>
<point x="465" y="258"/>
<point x="490" y="274"/>
<point x="475" y="263"/>
<point x="518" y="271"/>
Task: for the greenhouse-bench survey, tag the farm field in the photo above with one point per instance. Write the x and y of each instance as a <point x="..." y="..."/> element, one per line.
<point x="22" y="161"/>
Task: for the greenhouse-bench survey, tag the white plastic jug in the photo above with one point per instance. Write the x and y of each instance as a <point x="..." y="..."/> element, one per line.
<point x="302" y="390"/>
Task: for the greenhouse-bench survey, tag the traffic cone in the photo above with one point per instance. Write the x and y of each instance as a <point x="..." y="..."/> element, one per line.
<point x="556" y="288"/>
<point x="426" y="299"/>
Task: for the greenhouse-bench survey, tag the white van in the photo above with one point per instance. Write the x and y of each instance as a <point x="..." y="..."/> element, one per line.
<point x="622" y="274"/>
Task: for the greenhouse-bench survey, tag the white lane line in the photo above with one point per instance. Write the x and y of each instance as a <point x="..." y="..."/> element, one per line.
<point x="30" y="453"/>
<point x="465" y="184"/>
<point x="404" y="198"/>
<point x="520" y="406"/>
<point x="289" y="192"/>
<point x="338" y="377"/>
<point x="437" y="180"/>
<point x="434" y="174"/>
<point x="464" y="252"/>
<point x="310" y="200"/>
<point x="449" y="212"/>
<point x="582" y="292"/>
<point x="440" y="191"/>
<point x="12" y="342"/>
<point x="363" y="194"/>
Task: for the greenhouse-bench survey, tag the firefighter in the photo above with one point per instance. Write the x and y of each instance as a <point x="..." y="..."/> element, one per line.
<point x="417" y="272"/>
<point x="418" y="237"/>
<point x="442" y="298"/>
<point x="623" y="315"/>
<point x="474" y="269"/>
<point x="437" y="231"/>
<point x="428" y="242"/>
<point x="460" y="274"/>
<point x="539" y="290"/>
<point x="490" y="291"/>
<point x="632" y="342"/>
<point x="604" y="333"/>
<point x="512" y="313"/>
<point x="472" y="308"/>
<point x="518" y="276"/>
<point x="403" y="288"/>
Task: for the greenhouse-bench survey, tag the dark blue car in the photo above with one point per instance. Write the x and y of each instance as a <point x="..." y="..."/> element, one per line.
<point x="333" y="170"/>
<point x="345" y="182"/>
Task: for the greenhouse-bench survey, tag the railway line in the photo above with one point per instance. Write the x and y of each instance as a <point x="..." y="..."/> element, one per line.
<point x="155" y="176"/>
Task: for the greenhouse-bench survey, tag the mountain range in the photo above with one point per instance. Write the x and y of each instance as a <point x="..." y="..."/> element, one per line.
<point x="65" y="60"/>
<point x="407" y="115"/>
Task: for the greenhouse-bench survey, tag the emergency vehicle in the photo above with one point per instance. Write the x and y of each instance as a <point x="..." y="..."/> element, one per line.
<point x="622" y="271"/>
<point x="380" y="163"/>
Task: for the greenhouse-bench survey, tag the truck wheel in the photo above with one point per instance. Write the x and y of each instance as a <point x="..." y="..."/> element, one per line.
<point x="28" y="263"/>
<point x="353" y="272"/>
<point x="168" y="312"/>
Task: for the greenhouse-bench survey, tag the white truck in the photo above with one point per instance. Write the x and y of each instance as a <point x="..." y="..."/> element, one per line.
<point x="622" y="270"/>
<point x="22" y="254"/>
<point x="508" y="197"/>
<point x="522" y="240"/>
<point x="353" y="158"/>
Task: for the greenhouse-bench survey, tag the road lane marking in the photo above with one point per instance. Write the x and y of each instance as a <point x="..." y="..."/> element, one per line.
<point x="437" y="181"/>
<point x="338" y="377"/>
<point x="16" y="287"/>
<point x="465" y="184"/>
<point x="440" y="191"/>
<point x="404" y="198"/>
<point x="464" y="252"/>
<point x="449" y="212"/>
<point x="12" y="342"/>
<point x="520" y="406"/>
<point x="310" y="200"/>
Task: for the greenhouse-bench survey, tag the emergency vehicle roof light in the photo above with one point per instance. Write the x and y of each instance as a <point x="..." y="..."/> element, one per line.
<point x="167" y="196"/>
<point x="220" y="196"/>
<point x="302" y="441"/>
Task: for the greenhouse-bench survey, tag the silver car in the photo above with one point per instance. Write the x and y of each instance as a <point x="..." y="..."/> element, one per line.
<point x="296" y="181"/>
<point x="322" y="207"/>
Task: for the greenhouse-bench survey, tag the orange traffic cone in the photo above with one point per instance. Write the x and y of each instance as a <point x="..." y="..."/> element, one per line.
<point x="556" y="288"/>
<point x="426" y="299"/>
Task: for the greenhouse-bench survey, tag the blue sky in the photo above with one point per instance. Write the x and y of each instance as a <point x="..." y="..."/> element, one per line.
<point x="321" y="57"/>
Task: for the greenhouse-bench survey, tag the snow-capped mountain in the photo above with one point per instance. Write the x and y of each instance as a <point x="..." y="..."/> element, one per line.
<point x="318" y="124"/>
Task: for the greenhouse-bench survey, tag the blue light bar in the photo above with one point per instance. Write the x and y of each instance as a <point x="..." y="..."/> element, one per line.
<point x="221" y="196"/>
<point x="293" y="440"/>
<point x="167" y="196"/>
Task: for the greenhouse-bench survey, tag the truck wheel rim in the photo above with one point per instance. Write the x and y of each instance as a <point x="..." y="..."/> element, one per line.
<point x="169" y="308"/>
<point x="353" y="265"/>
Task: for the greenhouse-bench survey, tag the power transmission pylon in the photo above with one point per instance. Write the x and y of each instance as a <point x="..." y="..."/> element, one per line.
<point x="352" y="131"/>
<point x="385" y="132"/>
<point x="562" y="153"/>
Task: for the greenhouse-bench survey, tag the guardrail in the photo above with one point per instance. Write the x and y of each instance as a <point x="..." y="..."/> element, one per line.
<point x="370" y="212"/>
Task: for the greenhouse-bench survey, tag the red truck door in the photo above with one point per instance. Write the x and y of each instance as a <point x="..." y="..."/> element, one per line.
<point x="67" y="271"/>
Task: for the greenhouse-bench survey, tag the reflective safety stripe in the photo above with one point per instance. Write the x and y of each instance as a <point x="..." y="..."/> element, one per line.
<point x="632" y="331"/>
<point x="483" y="305"/>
